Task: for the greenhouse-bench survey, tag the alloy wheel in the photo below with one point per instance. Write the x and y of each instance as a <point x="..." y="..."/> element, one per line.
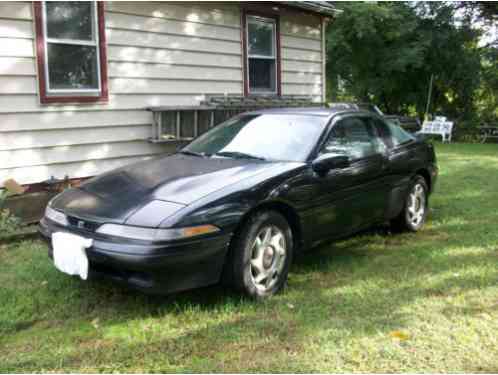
<point x="416" y="205"/>
<point x="267" y="257"/>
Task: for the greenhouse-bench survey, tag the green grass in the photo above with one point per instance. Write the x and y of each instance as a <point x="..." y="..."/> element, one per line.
<point x="425" y="302"/>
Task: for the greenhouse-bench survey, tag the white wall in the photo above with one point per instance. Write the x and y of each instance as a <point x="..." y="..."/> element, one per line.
<point x="158" y="54"/>
<point x="301" y="48"/>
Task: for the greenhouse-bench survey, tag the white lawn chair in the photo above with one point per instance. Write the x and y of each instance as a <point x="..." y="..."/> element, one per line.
<point x="439" y="126"/>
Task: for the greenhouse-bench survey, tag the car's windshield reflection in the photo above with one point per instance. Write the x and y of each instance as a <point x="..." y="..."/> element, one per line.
<point x="283" y="137"/>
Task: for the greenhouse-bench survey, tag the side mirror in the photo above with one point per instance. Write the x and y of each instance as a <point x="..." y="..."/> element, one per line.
<point x="327" y="162"/>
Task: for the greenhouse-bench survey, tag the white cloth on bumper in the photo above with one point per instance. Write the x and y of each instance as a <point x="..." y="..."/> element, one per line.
<point x="69" y="253"/>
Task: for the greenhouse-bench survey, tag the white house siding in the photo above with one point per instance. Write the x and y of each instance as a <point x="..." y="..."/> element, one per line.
<point x="158" y="54"/>
<point x="301" y="48"/>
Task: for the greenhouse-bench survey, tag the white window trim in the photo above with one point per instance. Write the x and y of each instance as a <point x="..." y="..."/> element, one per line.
<point x="258" y="19"/>
<point x="94" y="43"/>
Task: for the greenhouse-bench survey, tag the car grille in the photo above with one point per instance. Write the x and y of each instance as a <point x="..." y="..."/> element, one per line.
<point x="86" y="225"/>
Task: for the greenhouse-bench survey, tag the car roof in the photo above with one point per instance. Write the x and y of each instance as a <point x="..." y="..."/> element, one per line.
<point x="311" y="111"/>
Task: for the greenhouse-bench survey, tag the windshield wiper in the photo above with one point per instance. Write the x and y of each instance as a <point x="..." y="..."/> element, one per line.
<point x="239" y="155"/>
<point x="193" y="153"/>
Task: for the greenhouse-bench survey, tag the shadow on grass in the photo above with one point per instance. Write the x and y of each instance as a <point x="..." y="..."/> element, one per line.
<point x="271" y="332"/>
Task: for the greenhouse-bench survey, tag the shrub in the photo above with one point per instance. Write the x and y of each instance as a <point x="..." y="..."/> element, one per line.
<point x="9" y="224"/>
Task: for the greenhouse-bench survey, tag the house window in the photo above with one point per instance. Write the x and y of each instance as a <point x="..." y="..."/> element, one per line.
<point x="71" y="51"/>
<point x="261" y="47"/>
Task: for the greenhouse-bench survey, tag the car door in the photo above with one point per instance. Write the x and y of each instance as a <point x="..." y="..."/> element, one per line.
<point x="400" y="148"/>
<point x="402" y="159"/>
<point x="353" y="197"/>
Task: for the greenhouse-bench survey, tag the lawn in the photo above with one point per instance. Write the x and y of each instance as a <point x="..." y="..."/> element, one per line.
<point x="425" y="302"/>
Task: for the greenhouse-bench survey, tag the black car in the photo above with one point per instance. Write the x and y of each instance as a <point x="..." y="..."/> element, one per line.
<point x="238" y="202"/>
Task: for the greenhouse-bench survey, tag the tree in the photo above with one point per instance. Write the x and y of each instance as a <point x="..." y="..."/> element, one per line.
<point x="483" y="11"/>
<point x="453" y="57"/>
<point x="373" y="50"/>
<point x="386" y="53"/>
<point x="487" y="94"/>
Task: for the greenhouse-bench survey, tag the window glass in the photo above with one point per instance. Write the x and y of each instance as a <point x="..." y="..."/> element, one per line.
<point x="71" y="47"/>
<point x="350" y="137"/>
<point x="392" y="133"/>
<point x="72" y="67"/>
<point x="270" y="136"/>
<point x="382" y="141"/>
<point x="69" y="20"/>
<point x="398" y="134"/>
<point x="262" y="75"/>
<point x="261" y="59"/>
<point x="260" y="38"/>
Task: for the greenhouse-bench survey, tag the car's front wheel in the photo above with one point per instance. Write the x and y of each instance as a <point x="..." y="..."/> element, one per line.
<point x="261" y="255"/>
<point x="415" y="208"/>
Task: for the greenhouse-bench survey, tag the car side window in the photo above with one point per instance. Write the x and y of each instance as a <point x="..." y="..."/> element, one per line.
<point x="398" y="134"/>
<point x="383" y="137"/>
<point x="351" y="137"/>
<point x="392" y="134"/>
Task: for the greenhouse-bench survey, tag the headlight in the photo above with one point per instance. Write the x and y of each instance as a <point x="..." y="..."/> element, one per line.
<point x="155" y="234"/>
<point x="56" y="216"/>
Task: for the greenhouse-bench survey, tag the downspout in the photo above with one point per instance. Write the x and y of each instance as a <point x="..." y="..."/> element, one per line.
<point x="325" y="20"/>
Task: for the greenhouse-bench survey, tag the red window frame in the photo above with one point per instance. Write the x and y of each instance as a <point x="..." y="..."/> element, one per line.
<point x="46" y="98"/>
<point x="276" y="18"/>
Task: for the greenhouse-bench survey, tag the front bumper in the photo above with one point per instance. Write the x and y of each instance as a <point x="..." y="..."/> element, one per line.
<point x="153" y="268"/>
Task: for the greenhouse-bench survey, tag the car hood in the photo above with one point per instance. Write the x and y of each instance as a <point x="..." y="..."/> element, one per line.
<point x="179" y="179"/>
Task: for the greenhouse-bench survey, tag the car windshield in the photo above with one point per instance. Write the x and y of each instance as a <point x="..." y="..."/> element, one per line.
<point x="282" y="137"/>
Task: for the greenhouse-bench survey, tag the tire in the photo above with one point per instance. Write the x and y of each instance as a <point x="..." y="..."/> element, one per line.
<point x="261" y="255"/>
<point x="415" y="207"/>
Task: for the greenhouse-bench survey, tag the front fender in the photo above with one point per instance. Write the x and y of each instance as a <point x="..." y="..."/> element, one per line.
<point x="227" y="206"/>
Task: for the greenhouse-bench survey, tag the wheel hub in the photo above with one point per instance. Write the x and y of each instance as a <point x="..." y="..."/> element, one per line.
<point x="268" y="256"/>
<point x="417" y="204"/>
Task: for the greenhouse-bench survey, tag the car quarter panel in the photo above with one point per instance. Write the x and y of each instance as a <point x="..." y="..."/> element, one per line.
<point x="404" y="162"/>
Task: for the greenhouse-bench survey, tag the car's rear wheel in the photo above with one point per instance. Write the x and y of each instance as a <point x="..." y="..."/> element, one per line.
<point x="415" y="208"/>
<point x="261" y="255"/>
